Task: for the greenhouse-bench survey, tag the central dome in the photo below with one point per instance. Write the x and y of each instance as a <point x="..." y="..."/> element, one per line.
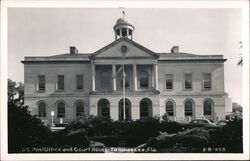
<point x="123" y="28"/>
<point x="122" y="21"/>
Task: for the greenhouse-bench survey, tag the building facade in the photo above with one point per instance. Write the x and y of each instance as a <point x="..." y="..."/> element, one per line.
<point x="72" y="85"/>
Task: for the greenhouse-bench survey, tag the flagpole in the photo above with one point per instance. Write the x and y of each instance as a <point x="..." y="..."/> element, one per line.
<point x="123" y="86"/>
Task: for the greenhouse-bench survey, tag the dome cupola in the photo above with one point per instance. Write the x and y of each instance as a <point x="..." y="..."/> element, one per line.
<point x="123" y="28"/>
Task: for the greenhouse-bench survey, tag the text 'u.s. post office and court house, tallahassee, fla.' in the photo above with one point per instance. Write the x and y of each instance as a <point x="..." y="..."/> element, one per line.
<point x="78" y="84"/>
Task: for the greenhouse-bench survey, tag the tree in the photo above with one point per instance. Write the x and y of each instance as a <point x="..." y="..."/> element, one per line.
<point x="24" y="130"/>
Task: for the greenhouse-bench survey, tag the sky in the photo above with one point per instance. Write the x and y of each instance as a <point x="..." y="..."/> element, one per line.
<point x="50" y="31"/>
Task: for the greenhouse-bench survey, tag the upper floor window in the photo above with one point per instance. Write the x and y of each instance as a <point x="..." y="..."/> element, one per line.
<point x="207" y="82"/>
<point x="144" y="79"/>
<point x="60" y="82"/>
<point x="41" y="82"/>
<point x="188" y="81"/>
<point x="41" y="109"/>
<point x="79" y="82"/>
<point x="105" y="80"/>
<point x="169" y="81"/>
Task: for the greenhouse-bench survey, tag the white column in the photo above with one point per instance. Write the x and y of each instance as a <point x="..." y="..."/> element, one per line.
<point x="156" y="76"/>
<point x="127" y="32"/>
<point x="114" y="76"/>
<point x="115" y="35"/>
<point x="135" y="76"/>
<point x="120" y="33"/>
<point x="93" y="76"/>
<point x="153" y="77"/>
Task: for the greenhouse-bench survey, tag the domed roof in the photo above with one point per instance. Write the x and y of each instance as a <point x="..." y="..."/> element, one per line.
<point x="122" y="21"/>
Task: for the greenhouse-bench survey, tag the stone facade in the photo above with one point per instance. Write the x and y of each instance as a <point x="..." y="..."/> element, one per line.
<point x="101" y="91"/>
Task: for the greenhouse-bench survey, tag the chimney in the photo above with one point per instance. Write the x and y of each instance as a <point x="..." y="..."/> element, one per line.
<point x="73" y="50"/>
<point x="175" y="49"/>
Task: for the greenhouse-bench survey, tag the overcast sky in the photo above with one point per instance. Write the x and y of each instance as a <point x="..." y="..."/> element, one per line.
<point x="46" y="32"/>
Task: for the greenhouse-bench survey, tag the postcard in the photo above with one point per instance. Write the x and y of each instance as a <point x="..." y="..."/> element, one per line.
<point x="125" y="80"/>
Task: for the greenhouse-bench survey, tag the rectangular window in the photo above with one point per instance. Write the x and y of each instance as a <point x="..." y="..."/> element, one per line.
<point x="207" y="82"/>
<point x="188" y="81"/>
<point x="60" y="82"/>
<point x="144" y="82"/>
<point x="79" y="82"/>
<point x="144" y="79"/>
<point x="169" y="81"/>
<point x="41" y="83"/>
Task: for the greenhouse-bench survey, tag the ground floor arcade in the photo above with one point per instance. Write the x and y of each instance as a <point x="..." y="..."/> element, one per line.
<point x="179" y="108"/>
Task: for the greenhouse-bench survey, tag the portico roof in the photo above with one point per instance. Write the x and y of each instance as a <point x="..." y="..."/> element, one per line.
<point x="133" y="43"/>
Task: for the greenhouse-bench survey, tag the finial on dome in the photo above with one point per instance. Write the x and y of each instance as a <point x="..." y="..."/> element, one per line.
<point x="123" y="13"/>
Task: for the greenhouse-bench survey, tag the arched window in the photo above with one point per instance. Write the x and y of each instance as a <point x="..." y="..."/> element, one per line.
<point x="103" y="108"/>
<point x="188" y="108"/>
<point x="79" y="109"/>
<point x="207" y="105"/>
<point x="61" y="110"/>
<point x="145" y="108"/>
<point x="170" y="108"/>
<point x="144" y="79"/>
<point x="127" y="110"/>
<point x="105" y="80"/>
<point x="41" y="109"/>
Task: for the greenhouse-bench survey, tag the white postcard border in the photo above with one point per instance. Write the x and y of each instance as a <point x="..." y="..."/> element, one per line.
<point x="243" y="4"/>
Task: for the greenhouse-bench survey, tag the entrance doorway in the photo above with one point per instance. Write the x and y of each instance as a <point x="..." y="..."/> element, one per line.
<point x="103" y="108"/>
<point x="127" y="110"/>
<point x="145" y="108"/>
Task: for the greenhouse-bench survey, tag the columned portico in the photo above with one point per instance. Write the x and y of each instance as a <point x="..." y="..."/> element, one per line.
<point x="115" y="77"/>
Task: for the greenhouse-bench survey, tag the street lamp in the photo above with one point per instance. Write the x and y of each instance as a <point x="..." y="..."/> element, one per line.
<point x="52" y="113"/>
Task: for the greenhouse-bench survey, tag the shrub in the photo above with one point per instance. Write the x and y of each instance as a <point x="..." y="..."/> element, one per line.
<point x="121" y="133"/>
<point x="197" y="137"/>
<point x="140" y="131"/>
<point x="170" y="127"/>
<point x="165" y="117"/>
<point x="229" y="136"/>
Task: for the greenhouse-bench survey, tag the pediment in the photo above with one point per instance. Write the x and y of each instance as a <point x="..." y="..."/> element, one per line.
<point x="134" y="50"/>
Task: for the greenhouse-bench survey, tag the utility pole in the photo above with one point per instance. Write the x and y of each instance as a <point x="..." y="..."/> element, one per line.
<point x="123" y="86"/>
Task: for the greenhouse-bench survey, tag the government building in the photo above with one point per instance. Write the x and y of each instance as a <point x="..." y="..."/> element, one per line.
<point x="150" y="84"/>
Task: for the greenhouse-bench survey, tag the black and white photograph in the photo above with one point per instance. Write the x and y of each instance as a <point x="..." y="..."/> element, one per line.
<point x="125" y="79"/>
